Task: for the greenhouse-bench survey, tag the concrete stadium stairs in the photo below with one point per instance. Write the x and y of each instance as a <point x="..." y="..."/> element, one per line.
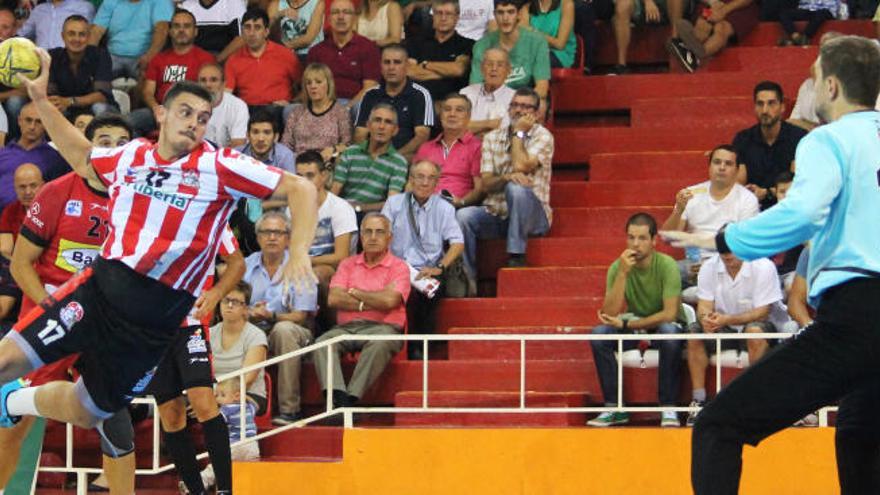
<point x="623" y="145"/>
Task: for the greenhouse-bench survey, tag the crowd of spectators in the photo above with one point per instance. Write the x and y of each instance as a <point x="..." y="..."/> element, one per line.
<point x="345" y="94"/>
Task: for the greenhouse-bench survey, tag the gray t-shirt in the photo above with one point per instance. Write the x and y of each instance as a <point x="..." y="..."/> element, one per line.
<point x="231" y="359"/>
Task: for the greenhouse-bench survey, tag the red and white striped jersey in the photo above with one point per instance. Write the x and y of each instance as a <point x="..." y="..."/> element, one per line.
<point x="167" y="217"/>
<point x="228" y="246"/>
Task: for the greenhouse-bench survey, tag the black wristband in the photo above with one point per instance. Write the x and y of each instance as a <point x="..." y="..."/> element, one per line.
<point x="625" y="325"/>
<point x="720" y="242"/>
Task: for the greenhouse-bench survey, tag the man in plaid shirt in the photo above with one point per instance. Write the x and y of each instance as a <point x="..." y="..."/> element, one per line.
<point x="515" y="169"/>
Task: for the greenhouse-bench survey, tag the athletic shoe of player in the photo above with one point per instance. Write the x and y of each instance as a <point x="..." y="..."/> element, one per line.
<point x="669" y="419"/>
<point x="7" y="421"/>
<point x="609" y="419"/>
<point x="692" y="416"/>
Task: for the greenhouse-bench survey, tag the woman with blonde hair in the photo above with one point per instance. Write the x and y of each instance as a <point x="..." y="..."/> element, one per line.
<point x="321" y="122"/>
<point x="381" y="21"/>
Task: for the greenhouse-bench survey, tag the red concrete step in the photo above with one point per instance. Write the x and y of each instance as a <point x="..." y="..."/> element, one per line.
<point x="585" y="94"/>
<point x="578" y="145"/>
<point x="310" y="443"/>
<point x="561" y="251"/>
<point x="688" y="166"/>
<point x="536" y="311"/>
<point x="595" y="222"/>
<point x="510" y="350"/>
<point x="768" y="33"/>
<point x="759" y="59"/>
<point x="552" y="281"/>
<point x="477" y="376"/>
<point x="454" y="399"/>
<point x="647" y="44"/>
<point x="698" y="112"/>
<point x="615" y="193"/>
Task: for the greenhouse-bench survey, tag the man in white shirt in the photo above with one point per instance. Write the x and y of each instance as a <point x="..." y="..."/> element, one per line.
<point x="733" y="296"/>
<point x="476" y="17"/>
<point x="490" y="99"/>
<point x="707" y="206"/>
<point x="229" y="120"/>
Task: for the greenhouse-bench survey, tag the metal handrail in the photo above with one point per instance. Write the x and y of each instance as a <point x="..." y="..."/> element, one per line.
<point x="348" y="412"/>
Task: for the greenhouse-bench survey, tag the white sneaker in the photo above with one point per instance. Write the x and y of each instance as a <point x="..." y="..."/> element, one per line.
<point x="669" y="419"/>
<point x="692" y="416"/>
<point x="811" y="419"/>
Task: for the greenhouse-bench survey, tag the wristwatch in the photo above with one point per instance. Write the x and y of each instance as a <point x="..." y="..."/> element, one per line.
<point x="73" y="101"/>
<point x="520" y="134"/>
<point x="442" y="267"/>
<point x="358" y="209"/>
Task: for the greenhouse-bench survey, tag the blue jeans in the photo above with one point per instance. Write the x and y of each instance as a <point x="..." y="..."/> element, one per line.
<point x="669" y="378"/>
<point x="525" y="218"/>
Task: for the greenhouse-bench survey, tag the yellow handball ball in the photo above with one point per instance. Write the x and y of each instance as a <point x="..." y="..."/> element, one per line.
<point x="18" y="56"/>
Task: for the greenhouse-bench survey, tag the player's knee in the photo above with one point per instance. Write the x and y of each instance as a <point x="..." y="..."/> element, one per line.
<point x="203" y="403"/>
<point x="173" y="415"/>
<point x="117" y="435"/>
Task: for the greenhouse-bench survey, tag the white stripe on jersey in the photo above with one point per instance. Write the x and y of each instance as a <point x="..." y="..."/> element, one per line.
<point x="176" y="211"/>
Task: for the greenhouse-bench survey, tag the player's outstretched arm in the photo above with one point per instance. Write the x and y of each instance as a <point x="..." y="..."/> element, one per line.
<point x="72" y="144"/>
<point x="302" y="199"/>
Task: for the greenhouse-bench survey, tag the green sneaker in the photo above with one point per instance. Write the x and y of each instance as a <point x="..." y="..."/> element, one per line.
<point x="609" y="419"/>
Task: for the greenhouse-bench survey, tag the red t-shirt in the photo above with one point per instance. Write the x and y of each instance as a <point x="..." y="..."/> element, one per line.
<point x="168" y="67"/>
<point x="68" y="219"/>
<point x="264" y="79"/>
<point x="11" y="219"/>
<point x="357" y="60"/>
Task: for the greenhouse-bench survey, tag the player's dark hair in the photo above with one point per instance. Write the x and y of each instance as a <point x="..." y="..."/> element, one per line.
<point x="643" y="219"/>
<point x="855" y="62"/>
<point x="723" y="147"/>
<point x="190" y="87"/>
<point x="311" y="156"/>
<point x="263" y="116"/>
<point x="767" y="86"/>
<point x="255" y="14"/>
<point x="107" y="120"/>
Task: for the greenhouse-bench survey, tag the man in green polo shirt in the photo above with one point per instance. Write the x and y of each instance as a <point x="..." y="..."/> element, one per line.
<point x="642" y="294"/>
<point x="369" y="173"/>
<point x="528" y="51"/>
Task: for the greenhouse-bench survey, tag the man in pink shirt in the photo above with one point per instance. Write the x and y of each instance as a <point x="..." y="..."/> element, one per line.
<point x="457" y="151"/>
<point x="369" y="292"/>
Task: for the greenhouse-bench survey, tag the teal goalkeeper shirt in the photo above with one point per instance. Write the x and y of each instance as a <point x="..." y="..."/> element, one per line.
<point x="834" y="200"/>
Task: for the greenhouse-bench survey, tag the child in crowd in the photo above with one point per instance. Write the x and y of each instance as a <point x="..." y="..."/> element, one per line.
<point x="228" y="398"/>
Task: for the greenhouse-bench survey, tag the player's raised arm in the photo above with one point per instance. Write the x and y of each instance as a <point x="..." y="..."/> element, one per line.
<point x="302" y="199"/>
<point x="71" y="143"/>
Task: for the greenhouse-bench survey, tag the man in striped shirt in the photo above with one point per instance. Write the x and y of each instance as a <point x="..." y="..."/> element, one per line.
<point x="169" y="203"/>
<point x="369" y="173"/>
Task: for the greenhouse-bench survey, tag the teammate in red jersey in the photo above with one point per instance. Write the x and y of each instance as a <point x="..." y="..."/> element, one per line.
<point x="169" y="203"/>
<point x="61" y="234"/>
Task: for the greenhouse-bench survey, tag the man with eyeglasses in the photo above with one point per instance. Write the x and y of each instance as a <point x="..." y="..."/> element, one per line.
<point x="370" y="172"/>
<point x="369" y="293"/>
<point x="284" y="313"/>
<point x="515" y="169"/>
<point x="421" y="224"/>
<point x="353" y="59"/>
<point x="440" y="61"/>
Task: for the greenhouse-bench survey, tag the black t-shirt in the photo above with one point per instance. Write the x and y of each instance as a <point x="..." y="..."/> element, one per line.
<point x="427" y="48"/>
<point x="414" y="109"/>
<point x="94" y="73"/>
<point x="764" y="162"/>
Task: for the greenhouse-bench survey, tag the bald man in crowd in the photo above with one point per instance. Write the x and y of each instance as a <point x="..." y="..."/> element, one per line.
<point x="27" y="180"/>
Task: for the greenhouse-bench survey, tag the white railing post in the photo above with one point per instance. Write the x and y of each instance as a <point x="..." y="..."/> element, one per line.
<point x="242" y="398"/>
<point x="522" y="373"/>
<point x="329" y="383"/>
<point x="717" y="365"/>
<point x="619" y="374"/>
<point x="425" y="373"/>
<point x="68" y="448"/>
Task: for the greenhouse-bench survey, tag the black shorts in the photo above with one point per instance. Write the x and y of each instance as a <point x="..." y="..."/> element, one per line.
<point x="120" y="322"/>
<point x="186" y="364"/>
